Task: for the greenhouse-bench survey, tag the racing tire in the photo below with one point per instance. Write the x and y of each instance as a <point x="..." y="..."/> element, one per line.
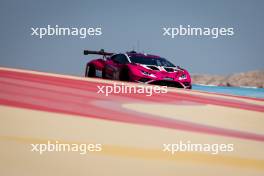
<point x="90" y="71"/>
<point x="103" y="74"/>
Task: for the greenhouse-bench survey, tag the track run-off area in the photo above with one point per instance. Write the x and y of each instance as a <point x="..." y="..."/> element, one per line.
<point x="36" y="107"/>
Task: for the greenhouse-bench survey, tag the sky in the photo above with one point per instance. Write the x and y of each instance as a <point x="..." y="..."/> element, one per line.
<point x="128" y="25"/>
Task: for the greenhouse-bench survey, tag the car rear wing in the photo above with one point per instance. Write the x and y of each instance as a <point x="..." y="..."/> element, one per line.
<point x="101" y="52"/>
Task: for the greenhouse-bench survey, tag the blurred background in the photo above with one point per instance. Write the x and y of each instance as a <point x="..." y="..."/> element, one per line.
<point x="128" y="25"/>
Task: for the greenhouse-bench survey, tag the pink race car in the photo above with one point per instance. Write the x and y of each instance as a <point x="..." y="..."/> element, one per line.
<point x="137" y="67"/>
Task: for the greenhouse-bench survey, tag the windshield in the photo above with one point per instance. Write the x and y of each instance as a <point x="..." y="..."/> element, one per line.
<point x="151" y="61"/>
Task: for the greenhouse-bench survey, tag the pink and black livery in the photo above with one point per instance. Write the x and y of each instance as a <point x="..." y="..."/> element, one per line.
<point x="137" y="67"/>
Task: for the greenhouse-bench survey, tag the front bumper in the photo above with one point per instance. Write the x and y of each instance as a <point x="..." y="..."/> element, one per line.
<point x="162" y="82"/>
<point x="177" y="84"/>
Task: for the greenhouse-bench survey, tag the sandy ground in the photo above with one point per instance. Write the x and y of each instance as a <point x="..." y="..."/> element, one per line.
<point x="39" y="107"/>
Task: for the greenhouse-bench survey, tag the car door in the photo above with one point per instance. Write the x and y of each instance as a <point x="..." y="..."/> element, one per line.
<point x="115" y="66"/>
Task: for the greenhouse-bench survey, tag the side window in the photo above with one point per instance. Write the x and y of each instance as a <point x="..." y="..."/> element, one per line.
<point x="120" y="58"/>
<point x="115" y="58"/>
<point x="123" y="59"/>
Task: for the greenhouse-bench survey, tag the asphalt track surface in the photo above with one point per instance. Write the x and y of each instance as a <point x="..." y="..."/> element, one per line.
<point x="36" y="107"/>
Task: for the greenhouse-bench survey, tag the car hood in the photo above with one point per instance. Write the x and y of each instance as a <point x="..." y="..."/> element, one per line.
<point x="162" y="71"/>
<point x="162" y="68"/>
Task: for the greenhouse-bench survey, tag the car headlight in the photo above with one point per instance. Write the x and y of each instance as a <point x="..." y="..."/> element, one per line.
<point x="147" y="73"/>
<point x="182" y="77"/>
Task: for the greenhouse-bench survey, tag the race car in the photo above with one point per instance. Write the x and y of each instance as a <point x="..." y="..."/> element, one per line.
<point x="137" y="67"/>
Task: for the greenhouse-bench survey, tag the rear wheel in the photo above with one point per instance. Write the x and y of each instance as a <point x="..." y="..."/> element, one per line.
<point x="90" y="71"/>
<point x="103" y="73"/>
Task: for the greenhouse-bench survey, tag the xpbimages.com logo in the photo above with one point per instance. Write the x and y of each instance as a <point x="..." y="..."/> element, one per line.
<point x="131" y="89"/>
